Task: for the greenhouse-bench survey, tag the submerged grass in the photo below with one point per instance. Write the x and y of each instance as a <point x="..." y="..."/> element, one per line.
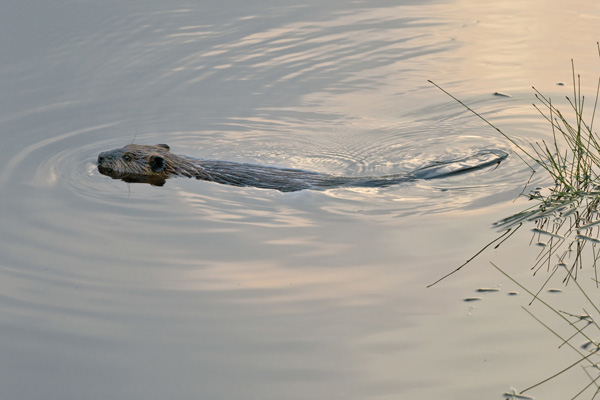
<point x="566" y="218"/>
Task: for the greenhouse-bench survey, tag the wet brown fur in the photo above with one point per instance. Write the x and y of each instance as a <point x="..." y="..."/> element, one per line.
<point x="154" y="164"/>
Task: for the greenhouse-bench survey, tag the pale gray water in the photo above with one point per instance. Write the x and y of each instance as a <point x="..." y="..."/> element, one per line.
<point x="199" y="290"/>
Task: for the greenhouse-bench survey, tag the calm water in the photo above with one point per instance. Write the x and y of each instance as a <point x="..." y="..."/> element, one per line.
<point x="199" y="290"/>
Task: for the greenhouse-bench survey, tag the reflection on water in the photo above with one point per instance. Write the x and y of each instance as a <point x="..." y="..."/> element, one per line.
<point x="131" y="291"/>
<point x="566" y="221"/>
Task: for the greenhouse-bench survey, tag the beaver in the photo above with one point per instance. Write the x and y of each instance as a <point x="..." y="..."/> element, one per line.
<point x="154" y="164"/>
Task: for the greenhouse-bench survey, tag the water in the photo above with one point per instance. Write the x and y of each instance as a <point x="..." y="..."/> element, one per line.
<point x="200" y="290"/>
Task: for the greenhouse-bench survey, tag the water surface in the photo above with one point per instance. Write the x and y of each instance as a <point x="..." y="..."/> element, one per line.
<point x="200" y="290"/>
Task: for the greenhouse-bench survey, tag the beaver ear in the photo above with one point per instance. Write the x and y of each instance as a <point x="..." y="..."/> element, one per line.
<point x="157" y="164"/>
<point x="164" y="146"/>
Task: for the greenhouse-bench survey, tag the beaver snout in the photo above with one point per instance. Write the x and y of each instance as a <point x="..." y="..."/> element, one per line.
<point x="106" y="162"/>
<point x="104" y="157"/>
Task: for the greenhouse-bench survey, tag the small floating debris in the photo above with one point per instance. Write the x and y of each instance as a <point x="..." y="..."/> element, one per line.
<point x="487" y="290"/>
<point x="588" y="344"/>
<point x="513" y="293"/>
<point x="555" y="290"/>
<point x="513" y="395"/>
<point x="502" y="94"/>
<point x="534" y="195"/>
<point x="471" y="299"/>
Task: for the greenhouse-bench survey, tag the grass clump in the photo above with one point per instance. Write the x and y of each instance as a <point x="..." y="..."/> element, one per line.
<point x="565" y="219"/>
<point x="574" y="168"/>
<point x="573" y="157"/>
<point x="569" y="209"/>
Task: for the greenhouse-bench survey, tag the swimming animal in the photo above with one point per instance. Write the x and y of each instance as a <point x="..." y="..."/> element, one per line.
<point x="155" y="164"/>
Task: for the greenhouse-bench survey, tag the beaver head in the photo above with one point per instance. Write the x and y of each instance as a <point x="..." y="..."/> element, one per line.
<point x="137" y="163"/>
<point x="149" y="164"/>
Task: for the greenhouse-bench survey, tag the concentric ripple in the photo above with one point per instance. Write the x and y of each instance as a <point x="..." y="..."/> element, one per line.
<point x="358" y="149"/>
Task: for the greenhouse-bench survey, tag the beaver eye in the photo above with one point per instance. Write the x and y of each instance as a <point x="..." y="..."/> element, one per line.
<point x="127" y="157"/>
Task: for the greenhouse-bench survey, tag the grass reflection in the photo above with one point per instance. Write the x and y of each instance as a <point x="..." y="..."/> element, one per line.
<point x="565" y="224"/>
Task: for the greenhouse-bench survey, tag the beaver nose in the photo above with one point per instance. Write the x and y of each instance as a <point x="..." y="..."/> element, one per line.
<point x="103" y="157"/>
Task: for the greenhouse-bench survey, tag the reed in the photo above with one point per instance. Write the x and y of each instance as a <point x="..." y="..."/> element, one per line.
<point x="573" y="157"/>
<point x="565" y="220"/>
<point x="568" y="209"/>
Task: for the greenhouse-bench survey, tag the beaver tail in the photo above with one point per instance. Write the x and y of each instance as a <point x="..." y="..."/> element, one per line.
<point x="436" y="170"/>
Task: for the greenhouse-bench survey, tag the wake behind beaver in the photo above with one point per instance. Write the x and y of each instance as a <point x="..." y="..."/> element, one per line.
<point x="155" y="164"/>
